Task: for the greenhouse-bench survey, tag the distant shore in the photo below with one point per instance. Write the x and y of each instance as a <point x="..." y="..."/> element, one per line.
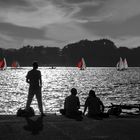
<point x="97" y="53"/>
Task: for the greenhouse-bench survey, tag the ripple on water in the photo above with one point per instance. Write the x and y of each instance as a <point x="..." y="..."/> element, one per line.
<point x="110" y="85"/>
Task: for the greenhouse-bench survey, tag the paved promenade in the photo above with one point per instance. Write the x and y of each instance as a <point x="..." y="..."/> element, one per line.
<point x="56" y="127"/>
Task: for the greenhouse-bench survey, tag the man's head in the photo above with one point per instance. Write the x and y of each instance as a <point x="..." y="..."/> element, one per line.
<point x="73" y="91"/>
<point x="92" y="93"/>
<point x="35" y="65"/>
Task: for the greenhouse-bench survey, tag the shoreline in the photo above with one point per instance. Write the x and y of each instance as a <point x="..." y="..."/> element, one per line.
<point x="57" y="127"/>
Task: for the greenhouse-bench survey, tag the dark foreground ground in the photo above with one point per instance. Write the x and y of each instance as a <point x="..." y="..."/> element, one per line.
<point x="56" y="127"/>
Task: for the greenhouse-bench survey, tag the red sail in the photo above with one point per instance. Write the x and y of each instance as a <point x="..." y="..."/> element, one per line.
<point x="14" y="64"/>
<point x="1" y="64"/>
<point x="79" y="65"/>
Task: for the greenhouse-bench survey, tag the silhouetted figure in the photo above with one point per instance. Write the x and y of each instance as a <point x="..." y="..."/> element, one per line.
<point x="71" y="106"/>
<point x="34" y="125"/>
<point x="34" y="79"/>
<point x="95" y="106"/>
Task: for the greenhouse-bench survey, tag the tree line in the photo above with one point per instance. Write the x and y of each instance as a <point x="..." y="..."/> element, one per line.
<point x="97" y="53"/>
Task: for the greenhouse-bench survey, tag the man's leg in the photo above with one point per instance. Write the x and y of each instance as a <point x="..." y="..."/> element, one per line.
<point x="29" y="99"/>
<point x="39" y="100"/>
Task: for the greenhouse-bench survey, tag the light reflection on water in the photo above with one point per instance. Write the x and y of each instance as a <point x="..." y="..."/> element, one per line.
<point x="109" y="84"/>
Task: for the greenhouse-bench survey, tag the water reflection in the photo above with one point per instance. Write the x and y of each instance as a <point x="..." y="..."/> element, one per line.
<point x="109" y="84"/>
<point x="34" y="126"/>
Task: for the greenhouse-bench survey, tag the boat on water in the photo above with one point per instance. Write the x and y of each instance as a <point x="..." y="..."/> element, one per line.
<point x="3" y="64"/>
<point x="122" y="65"/>
<point x="125" y="64"/>
<point x="15" y="65"/>
<point x="52" y="67"/>
<point x="81" y="64"/>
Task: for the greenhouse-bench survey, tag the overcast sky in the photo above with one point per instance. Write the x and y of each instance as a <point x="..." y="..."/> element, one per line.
<point x="59" y="22"/>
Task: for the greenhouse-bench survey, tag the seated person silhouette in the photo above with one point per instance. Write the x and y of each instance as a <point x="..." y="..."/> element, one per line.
<point x="95" y="106"/>
<point x="71" y="106"/>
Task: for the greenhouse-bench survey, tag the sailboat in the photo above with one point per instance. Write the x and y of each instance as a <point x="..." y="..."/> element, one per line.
<point x="3" y="64"/>
<point x="125" y="64"/>
<point x="15" y="65"/>
<point x="81" y="64"/>
<point x="122" y="65"/>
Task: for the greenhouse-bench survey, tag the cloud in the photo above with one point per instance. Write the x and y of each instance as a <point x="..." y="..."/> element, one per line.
<point x="21" y="32"/>
<point x="12" y="36"/>
<point x="114" y="30"/>
<point x="7" y="41"/>
<point x="119" y="10"/>
<point x="107" y="10"/>
<point x="42" y="13"/>
<point x="66" y="32"/>
<point x="64" y="21"/>
<point x="49" y="42"/>
<point x="77" y="1"/>
<point x="9" y="3"/>
<point x="37" y="19"/>
<point x="128" y="41"/>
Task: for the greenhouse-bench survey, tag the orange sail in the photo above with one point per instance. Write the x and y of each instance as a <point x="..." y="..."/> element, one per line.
<point x="15" y="64"/>
<point x="81" y="64"/>
<point x="3" y="64"/>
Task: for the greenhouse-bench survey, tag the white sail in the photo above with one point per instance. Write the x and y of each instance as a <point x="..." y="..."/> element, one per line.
<point x="125" y="64"/>
<point x="5" y="64"/>
<point x="18" y="65"/>
<point x="83" y="64"/>
<point x="117" y="66"/>
<point x="122" y="65"/>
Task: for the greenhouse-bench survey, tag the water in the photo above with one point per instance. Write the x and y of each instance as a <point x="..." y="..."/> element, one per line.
<point x="111" y="86"/>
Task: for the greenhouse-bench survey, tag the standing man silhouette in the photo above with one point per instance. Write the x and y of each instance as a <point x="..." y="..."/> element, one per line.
<point x="35" y="83"/>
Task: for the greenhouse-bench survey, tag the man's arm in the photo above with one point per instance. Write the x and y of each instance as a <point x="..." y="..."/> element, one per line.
<point x="78" y="103"/>
<point x="27" y="78"/>
<point x="40" y="80"/>
<point x="102" y="105"/>
<point x="85" y="107"/>
<point x="65" y="103"/>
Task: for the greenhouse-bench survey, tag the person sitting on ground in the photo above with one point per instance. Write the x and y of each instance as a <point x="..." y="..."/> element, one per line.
<point x="72" y="106"/>
<point x="95" y="106"/>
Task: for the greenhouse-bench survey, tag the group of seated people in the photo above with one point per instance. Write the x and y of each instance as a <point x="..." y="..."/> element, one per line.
<point x="93" y="104"/>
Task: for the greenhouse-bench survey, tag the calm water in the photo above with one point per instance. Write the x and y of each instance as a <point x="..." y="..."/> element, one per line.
<point x="111" y="86"/>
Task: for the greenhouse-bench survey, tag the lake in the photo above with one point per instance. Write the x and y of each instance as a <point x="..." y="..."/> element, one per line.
<point x="110" y="85"/>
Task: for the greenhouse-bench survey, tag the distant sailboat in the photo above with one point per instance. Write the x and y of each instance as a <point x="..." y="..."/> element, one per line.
<point x="122" y="65"/>
<point x="81" y="64"/>
<point x="125" y="64"/>
<point x="15" y="65"/>
<point x="52" y="67"/>
<point x="3" y="64"/>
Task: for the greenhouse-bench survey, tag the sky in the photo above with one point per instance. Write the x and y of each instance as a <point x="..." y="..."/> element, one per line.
<point x="57" y="23"/>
